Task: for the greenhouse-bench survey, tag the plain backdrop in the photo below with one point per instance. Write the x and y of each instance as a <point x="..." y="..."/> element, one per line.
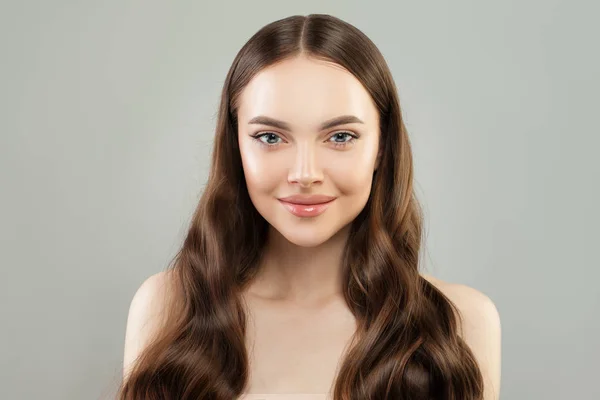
<point x="107" y="116"/>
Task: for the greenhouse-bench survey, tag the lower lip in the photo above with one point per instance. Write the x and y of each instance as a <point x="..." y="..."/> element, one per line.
<point x="306" y="210"/>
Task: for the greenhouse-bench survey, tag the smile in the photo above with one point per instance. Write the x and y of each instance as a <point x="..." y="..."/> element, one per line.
<point x="306" y="210"/>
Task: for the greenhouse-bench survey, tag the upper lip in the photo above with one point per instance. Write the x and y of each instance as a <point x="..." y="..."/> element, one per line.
<point x="307" y="199"/>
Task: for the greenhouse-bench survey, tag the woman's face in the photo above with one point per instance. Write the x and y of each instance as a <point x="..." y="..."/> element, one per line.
<point x="287" y="150"/>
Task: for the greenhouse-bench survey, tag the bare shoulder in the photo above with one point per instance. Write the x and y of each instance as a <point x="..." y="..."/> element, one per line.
<point x="481" y="329"/>
<point x="144" y="317"/>
<point x="470" y="301"/>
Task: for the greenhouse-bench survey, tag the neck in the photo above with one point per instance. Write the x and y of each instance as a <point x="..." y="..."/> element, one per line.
<point x="300" y="275"/>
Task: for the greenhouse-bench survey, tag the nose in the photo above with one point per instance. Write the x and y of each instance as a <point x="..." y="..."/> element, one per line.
<point x="305" y="171"/>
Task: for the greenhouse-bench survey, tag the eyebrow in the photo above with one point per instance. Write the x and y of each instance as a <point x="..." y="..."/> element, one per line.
<point x="341" y="120"/>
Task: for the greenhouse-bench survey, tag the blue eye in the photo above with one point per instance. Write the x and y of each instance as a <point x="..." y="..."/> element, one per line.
<point x="269" y="136"/>
<point x="345" y="143"/>
<point x="342" y="135"/>
<point x="270" y="139"/>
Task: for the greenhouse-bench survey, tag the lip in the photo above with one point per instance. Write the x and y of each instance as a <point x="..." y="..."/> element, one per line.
<point x="307" y="206"/>
<point x="312" y="199"/>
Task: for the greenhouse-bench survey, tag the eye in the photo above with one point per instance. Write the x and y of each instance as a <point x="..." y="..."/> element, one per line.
<point x="343" y="135"/>
<point x="272" y="140"/>
<point x="267" y="139"/>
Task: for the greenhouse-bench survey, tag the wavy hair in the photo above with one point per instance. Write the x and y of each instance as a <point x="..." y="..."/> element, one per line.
<point x="407" y="343"/>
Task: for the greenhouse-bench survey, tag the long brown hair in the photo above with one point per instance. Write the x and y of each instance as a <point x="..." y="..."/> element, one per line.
<point x="407" y="343"/>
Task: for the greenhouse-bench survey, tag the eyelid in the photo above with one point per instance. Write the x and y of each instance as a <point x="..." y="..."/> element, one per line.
<point x="353" y="134"/>
<point x="261" y="133"/>
<point x="348" y="132"/>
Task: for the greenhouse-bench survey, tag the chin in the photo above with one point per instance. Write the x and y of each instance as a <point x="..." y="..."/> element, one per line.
<point x="305" y="240"/>
<point x="303" y="236"/>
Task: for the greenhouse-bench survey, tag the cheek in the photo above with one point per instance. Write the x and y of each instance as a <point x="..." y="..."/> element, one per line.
<point x="353" y="176"/>
<point x="259" y="170"/>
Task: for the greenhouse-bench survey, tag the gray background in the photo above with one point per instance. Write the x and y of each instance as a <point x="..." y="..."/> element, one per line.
<point x="107" y="114"/>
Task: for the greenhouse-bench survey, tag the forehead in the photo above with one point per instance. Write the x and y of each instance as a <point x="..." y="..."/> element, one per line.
<point x="305" y="92"/>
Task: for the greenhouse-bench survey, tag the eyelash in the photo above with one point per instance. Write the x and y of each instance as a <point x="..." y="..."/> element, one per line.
<point x="353" y="137"/>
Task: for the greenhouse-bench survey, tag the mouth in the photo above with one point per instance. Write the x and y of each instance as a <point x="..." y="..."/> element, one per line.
<point x="306" y="210"/>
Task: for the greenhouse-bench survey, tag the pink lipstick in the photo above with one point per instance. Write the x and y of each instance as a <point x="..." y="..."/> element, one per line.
<point x="306" y="205"/>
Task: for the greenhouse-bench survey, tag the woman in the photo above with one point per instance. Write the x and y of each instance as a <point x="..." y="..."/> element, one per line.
<point x="300" y="272"/>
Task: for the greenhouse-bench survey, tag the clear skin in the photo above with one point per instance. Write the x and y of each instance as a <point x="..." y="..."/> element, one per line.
<point x="299" y="324"/>
<point x="302" y="259"/>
